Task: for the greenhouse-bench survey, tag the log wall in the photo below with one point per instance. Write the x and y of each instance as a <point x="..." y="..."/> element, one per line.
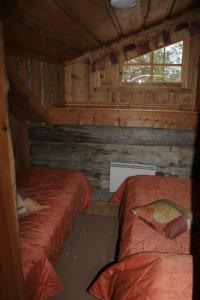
<point x="20" y="143"/>
<point x="92" y="148"/>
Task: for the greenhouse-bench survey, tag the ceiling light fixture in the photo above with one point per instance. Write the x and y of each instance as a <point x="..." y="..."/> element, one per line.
<point x="123" y="4"/>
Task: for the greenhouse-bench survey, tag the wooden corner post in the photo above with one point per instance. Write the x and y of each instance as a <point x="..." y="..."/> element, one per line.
<point x="11" y="278"/>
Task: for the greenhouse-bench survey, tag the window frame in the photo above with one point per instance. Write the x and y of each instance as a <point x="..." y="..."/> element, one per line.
<point x="184" y="67"/>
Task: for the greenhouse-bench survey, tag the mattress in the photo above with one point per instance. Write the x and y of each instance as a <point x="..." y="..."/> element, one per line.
<point x="63" y="194"/>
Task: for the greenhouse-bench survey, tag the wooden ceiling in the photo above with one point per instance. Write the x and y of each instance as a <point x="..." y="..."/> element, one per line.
<point x="66" y="29"/>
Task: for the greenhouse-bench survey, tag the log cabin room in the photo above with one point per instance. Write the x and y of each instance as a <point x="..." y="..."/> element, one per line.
<point x="99" y="160"/>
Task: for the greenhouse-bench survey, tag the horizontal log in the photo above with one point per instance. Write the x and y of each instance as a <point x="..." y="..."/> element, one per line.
<point x="100" y="176"/>
<point x="156" y="155"/>
<point x="114" y="135"/>
<point x="125" y="117"/>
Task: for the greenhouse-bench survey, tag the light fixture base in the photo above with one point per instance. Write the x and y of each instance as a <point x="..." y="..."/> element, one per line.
<point x="123" y="4"/>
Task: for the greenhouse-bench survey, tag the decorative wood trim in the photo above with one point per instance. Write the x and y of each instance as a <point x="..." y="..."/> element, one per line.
<point x="127" y="117"/>
<point x="11" y="280"/>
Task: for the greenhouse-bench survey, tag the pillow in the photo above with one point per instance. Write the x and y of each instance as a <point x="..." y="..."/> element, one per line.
<point x="165" y="217"/>
<point x="21" y="209"/>
<point x="27" y="206"/>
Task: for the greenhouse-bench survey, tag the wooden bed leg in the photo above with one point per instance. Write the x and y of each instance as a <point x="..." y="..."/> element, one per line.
<point x="11" y="278"/>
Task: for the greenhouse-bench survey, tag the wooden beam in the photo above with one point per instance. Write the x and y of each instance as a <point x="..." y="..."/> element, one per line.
<point x="170" y="8"/>
<point x="21" y="110"/>
<point x="186" y="17"/>
<point x="113" y="18"/>
<point x="46" y="34"/>
<point x="126" y="117"/>
<point x="11" y="277"/>
<point x="147" y="13"/>
<point x="65" y="9"/>
<point x="20" y="90"/>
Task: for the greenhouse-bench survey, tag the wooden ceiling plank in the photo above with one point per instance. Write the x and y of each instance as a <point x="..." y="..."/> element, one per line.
<point x="194" y="4"/>
<point x="170" y="8"/>
<point x="113" y="18"/>
<point x="94" y="15"/>
<point x="75" y="19"/>
<point x="28" y="40"/>
<point x="45" y="34"/>
<point x="181" y="6"/>
<point x="147" y="13"/>
<point x="187" y="17"/>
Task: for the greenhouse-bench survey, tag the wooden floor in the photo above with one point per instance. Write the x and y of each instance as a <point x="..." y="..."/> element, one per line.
<point x="90" y="247"/>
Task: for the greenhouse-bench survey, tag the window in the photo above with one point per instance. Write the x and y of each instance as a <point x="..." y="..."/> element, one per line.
<point x="160" y="66"/>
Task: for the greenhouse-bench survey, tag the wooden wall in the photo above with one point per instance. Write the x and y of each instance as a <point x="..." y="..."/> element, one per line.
<point x="20" y="143"/>
<point x="11" y="276"/>
<point x="42" y="76"/>
<point x="101" y="98"/>
<point x="92" y="148"/>
<point x="105" y="87"/>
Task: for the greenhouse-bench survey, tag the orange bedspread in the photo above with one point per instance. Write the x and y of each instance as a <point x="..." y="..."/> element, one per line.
<point x="144" y="255"/>
<point x="63" y="195"/>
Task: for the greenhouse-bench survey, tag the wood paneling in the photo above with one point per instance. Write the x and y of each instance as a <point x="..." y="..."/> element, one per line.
<point x="20" y="143"/>
<point x="35" y="86"/>
<point x="11" y="278"/>
<point x="92" y="148"/>
<point x="104" y="115"/>
<point x="20" y="90"/>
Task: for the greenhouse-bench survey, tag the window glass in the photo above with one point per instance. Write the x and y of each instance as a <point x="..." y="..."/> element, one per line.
<point x="162" y="65"/>
<point x="172" y="74"/>
<point x="144" y="59"/>
<point x="138" y="74"/>
<point x="173" y="53"/>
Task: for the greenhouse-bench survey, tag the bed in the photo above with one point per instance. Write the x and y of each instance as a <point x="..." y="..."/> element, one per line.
<point x="63" y="194"/>
<point x="149" y="265"/>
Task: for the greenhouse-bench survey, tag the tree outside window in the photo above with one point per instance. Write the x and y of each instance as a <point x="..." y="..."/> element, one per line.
<point x="160" y="66"/>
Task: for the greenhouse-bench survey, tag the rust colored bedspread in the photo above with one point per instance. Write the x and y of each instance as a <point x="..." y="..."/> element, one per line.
<point x="63" y="194"/>
<point x="144" y="255"/>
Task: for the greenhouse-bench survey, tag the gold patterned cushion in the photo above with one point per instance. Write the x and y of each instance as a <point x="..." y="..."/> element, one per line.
<point x="165" y="217"/>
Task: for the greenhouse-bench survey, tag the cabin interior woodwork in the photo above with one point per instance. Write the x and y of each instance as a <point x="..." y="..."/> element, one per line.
<point x="61" y="86"/>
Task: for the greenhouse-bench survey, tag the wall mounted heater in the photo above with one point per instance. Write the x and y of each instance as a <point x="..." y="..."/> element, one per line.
<point x="120" y="171"/>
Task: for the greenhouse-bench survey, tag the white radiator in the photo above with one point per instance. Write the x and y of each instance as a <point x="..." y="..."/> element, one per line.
<point x="120" y="171"/>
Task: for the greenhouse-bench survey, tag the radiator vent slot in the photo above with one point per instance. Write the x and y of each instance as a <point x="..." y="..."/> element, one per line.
<point x="120" y="171"/>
